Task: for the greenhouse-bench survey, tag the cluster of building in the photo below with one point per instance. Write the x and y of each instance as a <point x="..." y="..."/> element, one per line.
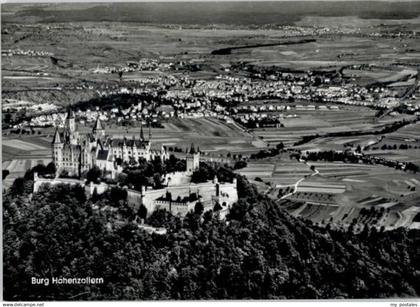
<point x="13" y="105"/>
<point x="192" y="98"/>
<point x="143" y="64"/>
<point x="75" y="154"/>
<point x="14" y="52"/>
<point x="259" y="120"/>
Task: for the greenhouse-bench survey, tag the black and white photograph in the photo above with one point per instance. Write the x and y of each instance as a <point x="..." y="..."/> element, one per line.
<point x="211" y="151"/>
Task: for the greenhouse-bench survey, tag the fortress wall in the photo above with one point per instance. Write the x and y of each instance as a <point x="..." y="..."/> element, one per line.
<point x="175" y="207"/>
<point x="134" y="198"/>
<point x="206" y="190"/>
<point x="231" y="191"/>
<point x="100" y="188"/>
<point x="177" y="178"/>
<point x="228" y="193"/>
<point x="40" y="181"/>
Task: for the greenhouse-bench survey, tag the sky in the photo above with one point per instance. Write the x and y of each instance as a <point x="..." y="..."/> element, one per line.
<point x="102" y="1"/>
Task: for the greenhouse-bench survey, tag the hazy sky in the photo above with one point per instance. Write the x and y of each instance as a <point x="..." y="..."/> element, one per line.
<point x="87" y="1"/>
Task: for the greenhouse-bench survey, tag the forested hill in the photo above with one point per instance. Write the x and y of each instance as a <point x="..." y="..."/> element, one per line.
<point x="259" y="252"/>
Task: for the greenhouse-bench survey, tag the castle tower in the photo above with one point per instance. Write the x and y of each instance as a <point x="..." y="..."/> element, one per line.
<point x="70" y="134"/>
<point x="163" y="153"/>
<point x="141" y="132"/>
<point x="98" y="129"/>
<point x="216" y="184"/>
<point x="57" y="150"/>
<point x="193" y="159"/>
<point x="125" y="155"/>
<point x="142" y="195"/>
<point x="70" y="121"/>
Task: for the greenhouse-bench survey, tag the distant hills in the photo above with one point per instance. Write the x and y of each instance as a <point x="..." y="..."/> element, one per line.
<point x="234" y="13"/>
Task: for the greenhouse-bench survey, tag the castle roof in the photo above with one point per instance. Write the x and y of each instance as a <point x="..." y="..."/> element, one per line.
<point x="103" y="154"/>
<point x="70" y="113"/>
<point x="57" y="138"/>
<point x="141" y="132"/>
<point x="76" y="149"/>
<point x="127" y="142"/>
<point x="90" y="137"/>
<point x="98" y="125"/>
<point x="192" y="149"/>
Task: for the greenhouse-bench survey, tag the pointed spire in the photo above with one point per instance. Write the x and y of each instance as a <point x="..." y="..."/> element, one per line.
<point x="98" y="125"/>
<point x="56" y="139"/>
<point x="141" y="132"/>
<point x="70" y="113"/>
<point x="192" y="149"/>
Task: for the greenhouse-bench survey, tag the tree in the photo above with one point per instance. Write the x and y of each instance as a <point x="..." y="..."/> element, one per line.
<point x="280" y="146"/>
<point x="117" y="194"/>
<point x="261" y="252"/>
<point x="50" y="169"/>
<point x="64" y="174"/>
<point x="142" y="212"/>
<point x="217" y="207"/>
<point x="240" y="164"/>
<point x="157" y="181"/>
<point x="198" y="208"/>
<point x="93" y="175"/>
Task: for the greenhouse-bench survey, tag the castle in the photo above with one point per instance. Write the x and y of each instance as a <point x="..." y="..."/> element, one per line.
<point x="193" y="159"/>
<point x="75" y="153"/>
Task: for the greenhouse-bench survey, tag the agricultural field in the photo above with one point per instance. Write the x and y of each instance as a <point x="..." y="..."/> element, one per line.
<point x="280" y="171"/>
<point x="210" y="134"/>
<point x="299" y="123"/>
<point x="341" y="193"/>
<point x="25" y="147"/>
<point x="19" y="155"/>
<point x="401" y="145"/>
<point x="392" y="76"/>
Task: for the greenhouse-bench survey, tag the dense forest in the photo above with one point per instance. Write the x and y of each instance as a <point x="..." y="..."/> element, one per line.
<point x="259" y="251"/>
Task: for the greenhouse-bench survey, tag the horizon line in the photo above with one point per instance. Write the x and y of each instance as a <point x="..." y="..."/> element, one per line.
<point x="58" y="2"/>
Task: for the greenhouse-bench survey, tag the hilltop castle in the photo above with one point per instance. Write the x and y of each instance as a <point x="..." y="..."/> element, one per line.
<point x="76" y="153"/>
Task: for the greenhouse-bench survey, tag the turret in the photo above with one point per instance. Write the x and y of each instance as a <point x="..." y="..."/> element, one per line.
<point x="141" y="132"/>
<point x="215" y="179"/>
<point x="142" y="194"/>
<point x="70" y="121"/>
<point x="217" y="186"/>
<point x="125" y="155"/>
<point x="192" y="149"/>
<point x="56" y="138"/>
<point x="57" y="149"/>
<point x="163" y="153"/>
<point x="98" y="129"/>
<point x="193" y="160"/>
<point x="235" y="182"/>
